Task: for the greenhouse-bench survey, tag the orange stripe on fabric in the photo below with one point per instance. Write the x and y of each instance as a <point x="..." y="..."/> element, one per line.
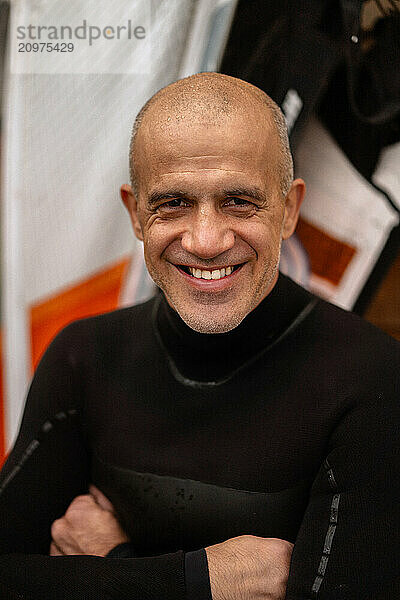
<point x="329" y="257"/>
<point x="97" y="294"/>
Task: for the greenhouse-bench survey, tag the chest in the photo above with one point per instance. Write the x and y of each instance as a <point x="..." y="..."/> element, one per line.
<point x="187" y="467"/>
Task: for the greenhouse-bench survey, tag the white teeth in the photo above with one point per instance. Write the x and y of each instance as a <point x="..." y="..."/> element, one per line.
<point x="216" y="274"/>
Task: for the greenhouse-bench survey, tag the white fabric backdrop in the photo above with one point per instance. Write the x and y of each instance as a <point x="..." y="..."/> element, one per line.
<point x="65" y="148"/>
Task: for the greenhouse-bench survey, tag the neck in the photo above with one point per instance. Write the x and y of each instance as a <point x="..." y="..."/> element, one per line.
<point x="211" y="357"/>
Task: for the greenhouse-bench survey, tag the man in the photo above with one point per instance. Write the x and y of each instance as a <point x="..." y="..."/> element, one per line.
<point x="233" y="413"/>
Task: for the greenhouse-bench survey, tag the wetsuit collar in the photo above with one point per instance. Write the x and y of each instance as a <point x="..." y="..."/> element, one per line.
<point x="208" y="357"/>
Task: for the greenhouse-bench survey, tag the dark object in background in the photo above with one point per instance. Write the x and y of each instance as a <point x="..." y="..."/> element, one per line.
<point x="289" y="49"/>
<point x="312" y="56"/>
<point x="365" y="92"/>
<point x="362" y="142"/>
<point x="305" y="52"/>
<point x="373" y="67"/>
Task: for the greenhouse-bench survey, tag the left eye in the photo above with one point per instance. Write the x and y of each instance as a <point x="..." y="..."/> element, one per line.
<point x="241" y="202"/>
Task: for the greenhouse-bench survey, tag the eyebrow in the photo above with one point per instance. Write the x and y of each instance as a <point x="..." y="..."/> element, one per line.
<point x="251" y="192"/>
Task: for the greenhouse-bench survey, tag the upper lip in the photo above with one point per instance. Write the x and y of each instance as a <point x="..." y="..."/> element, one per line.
<point x="213" y="268"/>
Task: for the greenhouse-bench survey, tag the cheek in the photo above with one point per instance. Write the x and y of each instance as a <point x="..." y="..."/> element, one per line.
<point x="264" y="239"/>
<point x="157" y="238"/>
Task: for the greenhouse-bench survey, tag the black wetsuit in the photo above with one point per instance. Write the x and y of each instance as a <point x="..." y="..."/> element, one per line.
<point x="287" y="426"/>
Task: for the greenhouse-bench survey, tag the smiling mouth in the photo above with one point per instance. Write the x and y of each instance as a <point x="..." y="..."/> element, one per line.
<point x="214" y="274"/>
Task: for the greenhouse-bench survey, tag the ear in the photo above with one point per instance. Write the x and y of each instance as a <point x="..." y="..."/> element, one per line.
<point x="129" y="199"/>
<point x="292" y="207"/>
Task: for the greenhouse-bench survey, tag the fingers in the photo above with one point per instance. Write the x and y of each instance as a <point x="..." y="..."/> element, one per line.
<point x="55" y="550"/>
<point x="89" y="526"/>
<point x="101" y="499"/>
<point x="80" y="508"/>
<point x="60" y="538"/>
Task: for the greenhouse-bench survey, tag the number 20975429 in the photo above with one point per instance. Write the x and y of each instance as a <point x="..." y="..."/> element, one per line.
<point x="45" y="47"/>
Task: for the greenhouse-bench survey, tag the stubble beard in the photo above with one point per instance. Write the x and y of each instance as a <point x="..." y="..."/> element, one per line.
<point x="202" y="321"/>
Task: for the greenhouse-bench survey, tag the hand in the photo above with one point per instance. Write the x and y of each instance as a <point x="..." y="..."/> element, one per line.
<point x="88" y="527"/>
<point x="249" y="568"/>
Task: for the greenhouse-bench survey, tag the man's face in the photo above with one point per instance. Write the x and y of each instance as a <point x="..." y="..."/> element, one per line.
<point x="211" y="216"/>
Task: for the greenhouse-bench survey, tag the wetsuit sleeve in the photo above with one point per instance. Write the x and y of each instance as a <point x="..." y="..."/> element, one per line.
<point x="197" y="579"/>
<point x="35" y="577"/>
<point x="348" y="546"/>
<point x="47" y="468"/>
<point x="197" y="575"/>
<point x="48" y="465"/>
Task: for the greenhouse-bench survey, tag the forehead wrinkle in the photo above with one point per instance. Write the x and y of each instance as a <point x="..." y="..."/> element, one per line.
<point x="201" y="169"/>
<point x="201" y="156"/>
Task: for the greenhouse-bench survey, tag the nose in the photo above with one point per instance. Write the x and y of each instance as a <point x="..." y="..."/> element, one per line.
<point x="208" y="234"/>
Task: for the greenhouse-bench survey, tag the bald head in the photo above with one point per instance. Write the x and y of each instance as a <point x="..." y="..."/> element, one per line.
<point x="208" y="98"/>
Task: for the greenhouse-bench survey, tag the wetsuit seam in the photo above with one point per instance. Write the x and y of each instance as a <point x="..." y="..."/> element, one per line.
<point x="304" y="481"/>
<point x="330" y="534"/>
<point x="210" y="384"/>
<point x="34" y="444"/>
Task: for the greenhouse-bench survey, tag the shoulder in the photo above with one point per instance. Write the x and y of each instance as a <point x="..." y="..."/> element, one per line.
<point x="335" y="327"/>
<point x="331" y="324"/>
<point x="342" y="352"/>
<point x="350" y="331"/>
<point x="355" y="368"/>
<point x="105" y="331"/>
<point x="132" y="316"/>
<point x="360" y="357"/>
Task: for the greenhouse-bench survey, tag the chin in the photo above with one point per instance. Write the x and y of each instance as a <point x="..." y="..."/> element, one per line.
<point x="208" y="323"/>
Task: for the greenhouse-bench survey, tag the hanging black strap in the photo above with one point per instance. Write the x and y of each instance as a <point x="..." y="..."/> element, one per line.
<point x="351" y="15"/>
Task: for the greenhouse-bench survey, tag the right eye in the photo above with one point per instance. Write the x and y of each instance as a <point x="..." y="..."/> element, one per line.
<point x="173" y="204"/>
